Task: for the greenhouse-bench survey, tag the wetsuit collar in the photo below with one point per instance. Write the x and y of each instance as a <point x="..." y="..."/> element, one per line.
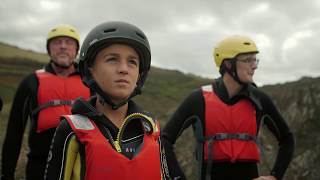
<point x="48" y="68"/>
<point x="221" y="90"/>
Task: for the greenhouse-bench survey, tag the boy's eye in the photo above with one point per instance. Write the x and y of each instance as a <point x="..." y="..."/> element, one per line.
<point x="133" y="61"/>
<point x="111" y="59"/>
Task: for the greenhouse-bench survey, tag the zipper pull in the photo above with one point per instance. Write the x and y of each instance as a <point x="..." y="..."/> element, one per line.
<point x="117" y="146"/>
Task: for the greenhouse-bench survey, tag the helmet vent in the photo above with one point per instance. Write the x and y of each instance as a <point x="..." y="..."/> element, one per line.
<point x="141" y="35"/>
<point x="247" y="43"/>
<point x="109" y="30"/>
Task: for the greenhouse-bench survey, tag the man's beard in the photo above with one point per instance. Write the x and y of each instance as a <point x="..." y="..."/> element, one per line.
<point x="63" y="66"/>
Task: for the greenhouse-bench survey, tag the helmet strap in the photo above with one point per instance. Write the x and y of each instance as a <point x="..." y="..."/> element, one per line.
<point x="105" y="99"/>
<point x="233" y="71"/>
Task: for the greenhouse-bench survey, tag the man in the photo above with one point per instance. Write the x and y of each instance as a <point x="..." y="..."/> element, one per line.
<point x="43" y="96"/>
<point x="226" y="116"/>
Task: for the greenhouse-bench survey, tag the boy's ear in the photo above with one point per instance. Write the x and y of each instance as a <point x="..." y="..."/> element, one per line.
<point x="227" y="63"/>
<point x="90" y="69"/>
<point x="139" y="76"/>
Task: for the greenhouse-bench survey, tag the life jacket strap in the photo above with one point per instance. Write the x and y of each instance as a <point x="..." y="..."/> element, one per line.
<point x="55" y="102"/>
<point x="221" y="137"/>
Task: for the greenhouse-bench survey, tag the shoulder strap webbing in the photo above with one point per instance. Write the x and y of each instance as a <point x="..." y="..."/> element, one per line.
<point x="55" y="102"/>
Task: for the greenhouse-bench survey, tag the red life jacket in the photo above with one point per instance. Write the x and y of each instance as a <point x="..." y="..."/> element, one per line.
<point x="104" y="162"/>
<point x="55" y="96"/>
<point x="231" y="120"/>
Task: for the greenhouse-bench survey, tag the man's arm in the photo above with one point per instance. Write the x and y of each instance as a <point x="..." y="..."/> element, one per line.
<point x="278" y="126"/>
<point x="192" y="106"/>
<point x="15" y="128"/>
<point x="1" y="103"/>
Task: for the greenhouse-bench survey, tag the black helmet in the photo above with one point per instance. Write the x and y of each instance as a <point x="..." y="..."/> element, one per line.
<point x="104" y="35"/>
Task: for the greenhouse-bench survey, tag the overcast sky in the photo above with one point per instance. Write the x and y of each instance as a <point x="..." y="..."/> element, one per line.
<point x="182" y="33"/>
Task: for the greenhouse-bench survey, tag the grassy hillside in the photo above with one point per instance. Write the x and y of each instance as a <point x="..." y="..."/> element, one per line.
<point x="298" y="102"/>
<point x="15" y="63"/>
<point x="163" y="91"/>
<point x="9" y="52"/>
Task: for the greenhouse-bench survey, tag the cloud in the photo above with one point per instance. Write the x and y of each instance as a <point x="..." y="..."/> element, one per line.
<point x="182" y="33"/>
<point x="50" y="5"/>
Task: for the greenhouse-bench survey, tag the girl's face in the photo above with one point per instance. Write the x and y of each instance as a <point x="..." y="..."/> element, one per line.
<point x="116" y="70"/>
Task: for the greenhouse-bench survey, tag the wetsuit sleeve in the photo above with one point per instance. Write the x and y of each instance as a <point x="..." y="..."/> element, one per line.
<point x="1" y="103"/>
<point x="192" y="106"/>
<point x="278" y="126"/>
<point x="20" y="111"/>
<point x="63" y="155"/>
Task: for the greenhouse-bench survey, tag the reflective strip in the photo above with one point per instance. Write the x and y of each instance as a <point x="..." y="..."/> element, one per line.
<point x="40" y="71"/>
<point x="81" y="122"/>
<point x="207" y="88"/>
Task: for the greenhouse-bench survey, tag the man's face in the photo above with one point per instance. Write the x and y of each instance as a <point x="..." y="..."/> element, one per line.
<point x="246" y="66"/>
<point x="63" y="51"/>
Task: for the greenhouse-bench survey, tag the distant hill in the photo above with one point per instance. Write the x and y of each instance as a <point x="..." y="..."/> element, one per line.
<point x="163" y="90"/>
<point x="298" y="101"/>
<point x="10" y="51"/>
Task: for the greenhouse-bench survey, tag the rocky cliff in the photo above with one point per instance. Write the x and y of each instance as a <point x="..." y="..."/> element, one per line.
<point x="299" y="103"/>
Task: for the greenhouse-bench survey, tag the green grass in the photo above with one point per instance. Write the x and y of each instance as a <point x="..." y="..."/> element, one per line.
<point x="12" y="71"/>
<point x="9" y="52"/>
<point x="15" y="64"/>
<point x="162" y="93"/>
<point x="164" y="90"/>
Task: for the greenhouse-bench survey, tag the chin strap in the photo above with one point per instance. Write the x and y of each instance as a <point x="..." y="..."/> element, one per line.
<point x="105" y="98"/>
<point x="233" y="72"/>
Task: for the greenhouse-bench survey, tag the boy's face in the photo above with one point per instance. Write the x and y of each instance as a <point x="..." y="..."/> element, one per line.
<point x="116" y="70"/>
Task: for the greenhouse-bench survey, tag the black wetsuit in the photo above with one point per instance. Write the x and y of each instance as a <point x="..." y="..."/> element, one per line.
<point x="194" y="105"/>
<point x="25" y="101"/>
<point x="1" y="103"/>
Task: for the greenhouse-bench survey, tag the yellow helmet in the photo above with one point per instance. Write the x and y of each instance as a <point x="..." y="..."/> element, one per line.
<point x="231" y="47"/>
<point x="63" y="30"/>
